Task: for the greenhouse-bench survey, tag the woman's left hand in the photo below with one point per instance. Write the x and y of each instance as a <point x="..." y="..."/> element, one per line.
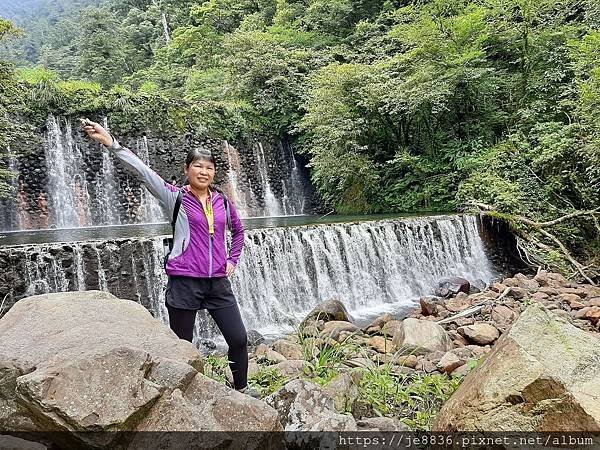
<point x="230" y="269"/>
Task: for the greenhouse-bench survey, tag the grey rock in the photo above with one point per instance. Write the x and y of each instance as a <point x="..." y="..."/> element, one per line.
<point x="542" y="375"/>
<point x="326" y="311"/>
<point x="420" y="336"/>
<point x="304" y="406"/>
<point x="288" y="349"/>
<point x="343" y="390"/>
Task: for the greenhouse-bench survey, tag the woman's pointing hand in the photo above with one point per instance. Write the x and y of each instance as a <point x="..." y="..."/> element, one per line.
<point x="96" y="132"/>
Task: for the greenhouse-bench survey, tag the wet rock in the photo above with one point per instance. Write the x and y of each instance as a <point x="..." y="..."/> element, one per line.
<point x="452" y="286"/>
<point x="254" y="340"/>
<point x="327" y="311"/>
<point x="377" y="324"/>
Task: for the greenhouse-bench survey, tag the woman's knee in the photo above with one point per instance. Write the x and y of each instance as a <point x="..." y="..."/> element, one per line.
<point x="238" y="341"/>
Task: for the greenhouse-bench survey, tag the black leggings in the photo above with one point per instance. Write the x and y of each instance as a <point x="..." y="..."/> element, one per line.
<point x="229" y="321"/>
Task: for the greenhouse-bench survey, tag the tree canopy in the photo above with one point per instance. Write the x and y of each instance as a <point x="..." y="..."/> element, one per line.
<point x="399" y="105"/>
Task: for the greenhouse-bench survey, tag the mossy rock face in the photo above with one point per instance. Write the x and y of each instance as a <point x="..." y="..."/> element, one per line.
<point x="542" y="375"/>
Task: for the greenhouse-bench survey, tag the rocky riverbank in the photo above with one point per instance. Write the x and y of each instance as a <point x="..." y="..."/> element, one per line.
<point x="396" y="373"/>
<point x="523" y="355"/>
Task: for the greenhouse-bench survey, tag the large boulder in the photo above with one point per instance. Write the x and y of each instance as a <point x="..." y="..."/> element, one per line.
<point x="542" y="375"/>
<point x="206" y="405"/>
<point x="304" y="406"/>
<point x="87" y="361"/>
<point x="326" y="311"/>
<point x="421" y="336"/>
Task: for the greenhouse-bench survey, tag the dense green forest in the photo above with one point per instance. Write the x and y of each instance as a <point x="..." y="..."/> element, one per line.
<point x="401" y="105"/>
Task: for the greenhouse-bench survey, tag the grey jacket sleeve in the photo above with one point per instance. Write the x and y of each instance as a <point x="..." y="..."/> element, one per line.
<point x="159" y="188"/>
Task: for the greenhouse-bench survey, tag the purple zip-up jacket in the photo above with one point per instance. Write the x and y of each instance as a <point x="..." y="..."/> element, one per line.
<point x="195" y="253"/>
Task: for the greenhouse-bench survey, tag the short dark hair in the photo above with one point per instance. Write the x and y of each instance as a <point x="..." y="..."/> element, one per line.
<point x="201" y="154"/>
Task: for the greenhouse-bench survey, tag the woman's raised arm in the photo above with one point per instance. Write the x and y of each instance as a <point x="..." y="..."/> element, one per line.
<point x="163" y="191"/>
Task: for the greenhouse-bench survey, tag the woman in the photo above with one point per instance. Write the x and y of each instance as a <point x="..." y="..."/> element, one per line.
<point x="199" y="265"/>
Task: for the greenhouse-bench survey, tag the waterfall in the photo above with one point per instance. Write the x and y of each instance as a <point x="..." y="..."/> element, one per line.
<point x="76" y="182"/>
<point x="67" y="186"/>
<point x="272" y="207"/>
<point x="252" y="200"/>
<point x="369" y="266"/>
<point x="234" y="190"/>
<point x="80" y="271"/>
<point x="15" y="216"/>
<point x="107" y="188"/>
<point x="372" y="267"/>
<point x="293" y="187"/>
<point x="152" y="211"/>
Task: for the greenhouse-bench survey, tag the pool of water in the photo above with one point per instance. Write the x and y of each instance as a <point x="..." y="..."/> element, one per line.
<point x="26" y="237"/>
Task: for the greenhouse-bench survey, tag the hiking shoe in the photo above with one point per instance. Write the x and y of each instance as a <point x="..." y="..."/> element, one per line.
<point x="249" y="390"/>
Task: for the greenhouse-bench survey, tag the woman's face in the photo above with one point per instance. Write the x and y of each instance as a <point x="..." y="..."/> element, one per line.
<point x="200" y="173"/>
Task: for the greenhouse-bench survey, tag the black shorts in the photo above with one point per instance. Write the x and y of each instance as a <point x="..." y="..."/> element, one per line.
<point x="199" y="293"/>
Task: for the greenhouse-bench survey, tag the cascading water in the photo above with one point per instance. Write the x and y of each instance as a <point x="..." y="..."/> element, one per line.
<point x="67" y="187"/>
<point x="293" y="188"/>
<point x="152" y="211"/>
<point x="235" y="192"/>
<point x="15" y="216"/>
<point x="79" y="271"/>
<point x="371" y="267"/>
<point x="78" y="183"/>
<point x="107" y="188"/>
<point x="272" y="207"/>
